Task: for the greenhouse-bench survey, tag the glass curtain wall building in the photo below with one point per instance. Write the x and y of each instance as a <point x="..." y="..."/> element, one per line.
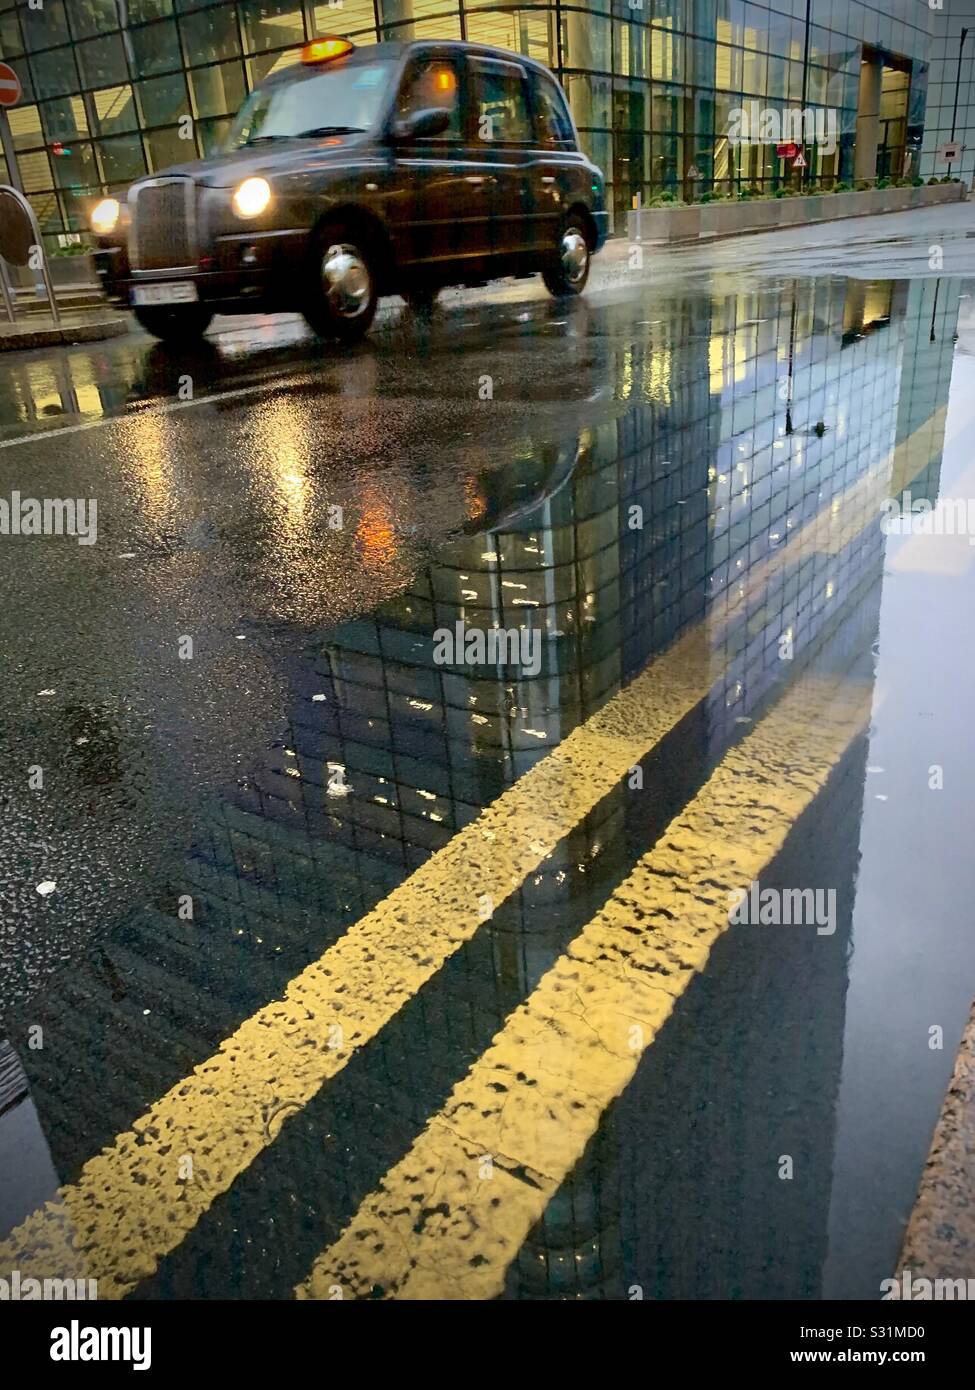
<point x="117" y="88"/>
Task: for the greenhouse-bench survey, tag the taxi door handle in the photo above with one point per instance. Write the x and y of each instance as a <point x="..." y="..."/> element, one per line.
<point x="548" y="178"/>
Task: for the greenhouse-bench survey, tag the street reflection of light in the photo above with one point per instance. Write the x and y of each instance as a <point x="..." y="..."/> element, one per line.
<point x="468" y="593"/>
<point x="479" y="719"/>
<point x="658" y="373"/>
<point x="509" y="584"/>
<point x="427" y="796"/>
<point x="830" y="588"/>
<point x="282" y="440"/>
<point x="89" y="399"/>
<point x="474" y="499"/>
<point x="525" y="602"/>
<point x="151" y="459"/>
<point x="375" y="533"/>
<point x="420" y="704"/>
<point x="490" y="556"/>
<point x="536" y="733"/>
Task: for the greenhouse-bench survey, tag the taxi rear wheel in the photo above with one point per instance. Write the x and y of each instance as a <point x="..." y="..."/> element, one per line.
<point x="568" y="267"/>
<point x="342" y="293"/>
<point x="183" y="323"/>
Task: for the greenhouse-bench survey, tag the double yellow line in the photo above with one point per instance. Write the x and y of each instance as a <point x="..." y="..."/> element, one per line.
<point x="133" y="1203"/>
<point x="451" y="1216"/>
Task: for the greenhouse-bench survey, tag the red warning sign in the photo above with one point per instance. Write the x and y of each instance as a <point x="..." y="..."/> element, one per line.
<point x="10" y="88"/>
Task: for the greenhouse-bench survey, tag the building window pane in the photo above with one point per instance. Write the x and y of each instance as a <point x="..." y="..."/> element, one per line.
<point x="122" y="159"/>
<point x="76" y="170"/>
<point x="213" y="134"/>
<point x="55" y="74"/>
<point x="217" y="91"/>
<point x="589" y="98"/>
<point x="165" y="148"/>
<point x="102" y="61"/>
<point x="396" y="11"/>
<point x="163" y="100"/>
<point x="210" y="36"/>
<point x="47" y="211"/>
<point x="140" y="10"/>
<point x="264" y="64"/>
<point x="65" y="119"/>
<point x="348" y="18"/>
<point x="632" y="56"/>
<point x="156" y="49"/>
<point x="271" y="24"/>
<point x="35" y="171"/>
<point x="11" y="43"/>
<point x="45" y="27"/>
<point x="586" y="41"/>
<point x="521" y="31"/>
<point x="92" y="17"/>
<point x="114" y="110"/>
<point x="25" y="127"/>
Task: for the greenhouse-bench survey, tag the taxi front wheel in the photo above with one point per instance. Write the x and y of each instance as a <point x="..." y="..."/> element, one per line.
<point x="183" y="323"/>
<point x="568" y="268"/>
<point x="342" y="294"/>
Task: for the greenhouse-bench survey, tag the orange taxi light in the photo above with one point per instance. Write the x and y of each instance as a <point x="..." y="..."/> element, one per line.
<point x="321" y="50"/>
<point x="445" y="80"/>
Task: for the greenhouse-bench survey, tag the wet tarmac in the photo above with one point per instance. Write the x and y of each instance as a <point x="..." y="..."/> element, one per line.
<point x="372" y="972"/>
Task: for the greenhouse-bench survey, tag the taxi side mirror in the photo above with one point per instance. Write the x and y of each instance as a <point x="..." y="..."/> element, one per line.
<point x="421" y="125"/>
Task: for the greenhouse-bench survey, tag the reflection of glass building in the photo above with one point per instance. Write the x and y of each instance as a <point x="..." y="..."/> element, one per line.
<point x="114" y="88"/>
<point x="754" y="524"/>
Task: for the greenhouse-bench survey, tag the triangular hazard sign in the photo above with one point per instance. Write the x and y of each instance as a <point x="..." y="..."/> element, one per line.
<point x="799" y="161"/>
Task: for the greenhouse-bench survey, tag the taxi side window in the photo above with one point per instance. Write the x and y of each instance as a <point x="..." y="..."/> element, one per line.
<point x="500" y="94"/>
<point x="432" y="82"/>
<point x="551" y="117"/>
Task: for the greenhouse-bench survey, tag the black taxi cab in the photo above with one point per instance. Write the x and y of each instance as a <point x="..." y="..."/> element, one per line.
<point x="393" y="168"/>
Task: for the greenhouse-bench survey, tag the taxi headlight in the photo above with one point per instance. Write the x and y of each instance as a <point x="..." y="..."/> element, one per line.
<point x="252" y="197"/>
<point x="105" y="217"/>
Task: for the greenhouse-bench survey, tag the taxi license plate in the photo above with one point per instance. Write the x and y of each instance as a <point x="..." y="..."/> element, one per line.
<point x="181" y="292"/>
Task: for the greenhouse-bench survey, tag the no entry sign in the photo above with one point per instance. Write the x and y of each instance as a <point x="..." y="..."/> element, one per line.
<point x="10" y="89"/>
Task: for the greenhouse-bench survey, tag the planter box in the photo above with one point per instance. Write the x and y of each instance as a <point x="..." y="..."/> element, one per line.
<point x="75" y="271"/>
<point x="703" y="221"/>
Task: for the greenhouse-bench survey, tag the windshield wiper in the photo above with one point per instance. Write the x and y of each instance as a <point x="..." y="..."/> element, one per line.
<point x="257" y="140"/>
<point x="330" y="130"/>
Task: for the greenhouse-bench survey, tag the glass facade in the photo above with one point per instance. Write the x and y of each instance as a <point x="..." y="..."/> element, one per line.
<point x="117" y="88"/>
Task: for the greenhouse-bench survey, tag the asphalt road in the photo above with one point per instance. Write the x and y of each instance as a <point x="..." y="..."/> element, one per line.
<point x="232" y="701"/>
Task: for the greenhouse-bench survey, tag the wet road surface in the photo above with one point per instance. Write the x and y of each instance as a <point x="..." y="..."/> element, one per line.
<point x="365" y="975"/>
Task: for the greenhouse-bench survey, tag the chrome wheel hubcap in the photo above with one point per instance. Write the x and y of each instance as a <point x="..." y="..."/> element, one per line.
<point x="575" y="255"/>
<point x="347" y="281"/>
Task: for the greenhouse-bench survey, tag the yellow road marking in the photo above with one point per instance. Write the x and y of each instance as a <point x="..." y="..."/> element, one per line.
<point x="130" y="1206"/>
<point x="438" y="1227"/>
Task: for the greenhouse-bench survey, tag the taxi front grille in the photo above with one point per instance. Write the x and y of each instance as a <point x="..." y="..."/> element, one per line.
<point x="163" y="225"/>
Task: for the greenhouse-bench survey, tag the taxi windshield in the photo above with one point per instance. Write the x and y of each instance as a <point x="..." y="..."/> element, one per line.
<point x="333" y="100"/>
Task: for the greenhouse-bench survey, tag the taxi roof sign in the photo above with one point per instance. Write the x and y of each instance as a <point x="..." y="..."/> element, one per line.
<point x="322" y="50"/>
